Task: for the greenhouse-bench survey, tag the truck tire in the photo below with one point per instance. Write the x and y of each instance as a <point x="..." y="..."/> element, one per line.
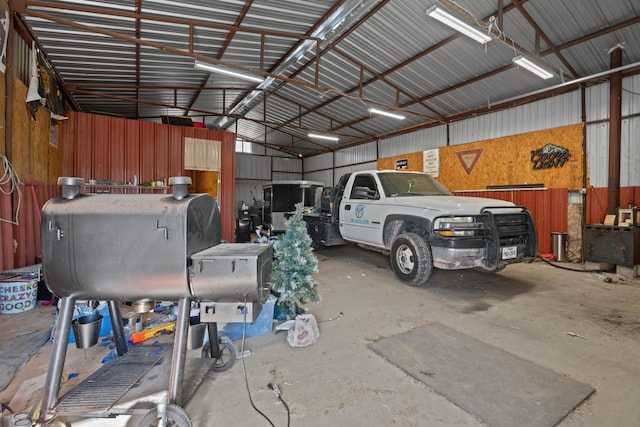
<point x="411" y="259"/>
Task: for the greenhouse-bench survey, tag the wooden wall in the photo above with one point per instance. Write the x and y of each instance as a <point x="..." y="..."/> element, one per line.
<point x="414" y="162"/>
<point x="504" y="161"/>
<point x="37" y="164"/>
<point x="507" y="161"/>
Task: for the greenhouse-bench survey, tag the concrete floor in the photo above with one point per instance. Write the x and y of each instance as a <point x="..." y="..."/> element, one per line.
<point x="575" y="323"/>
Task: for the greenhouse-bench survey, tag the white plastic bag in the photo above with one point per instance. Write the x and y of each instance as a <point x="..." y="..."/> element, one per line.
<point x="304" y="331"/>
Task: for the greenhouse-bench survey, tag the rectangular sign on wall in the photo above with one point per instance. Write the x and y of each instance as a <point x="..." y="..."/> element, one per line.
<point x="431" y="162"/>
<point x="402" y="164"/>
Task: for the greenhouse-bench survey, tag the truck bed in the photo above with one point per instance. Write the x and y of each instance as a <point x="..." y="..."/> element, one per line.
<point x="322" y="229"/>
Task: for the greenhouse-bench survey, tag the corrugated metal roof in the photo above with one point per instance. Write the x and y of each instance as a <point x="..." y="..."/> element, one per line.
<point x="390" y="54"/>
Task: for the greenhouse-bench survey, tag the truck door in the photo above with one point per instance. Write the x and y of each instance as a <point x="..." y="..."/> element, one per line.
<point x="361" y="215"/>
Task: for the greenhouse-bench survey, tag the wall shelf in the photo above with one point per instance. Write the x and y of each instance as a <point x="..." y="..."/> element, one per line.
<point x="122" y="189"/>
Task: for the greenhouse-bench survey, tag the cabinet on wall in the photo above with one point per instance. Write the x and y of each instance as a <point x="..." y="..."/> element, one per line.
<point x="201" y="154"/>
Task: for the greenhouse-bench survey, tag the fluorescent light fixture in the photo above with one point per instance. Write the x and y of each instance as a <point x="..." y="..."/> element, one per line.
<point x="529" y="65"/>
<point x="222" y="70"/>
<point x="386" y="113"/>
<point x="436" y="12"/>
<point x="327" y="137"/>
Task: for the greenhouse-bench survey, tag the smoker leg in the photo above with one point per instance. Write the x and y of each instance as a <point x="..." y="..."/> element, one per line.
<point x="179" y="352"/>
<point x="118" y="327"/>
<point x="214" y="344"/>
<point x="58" y="354"/>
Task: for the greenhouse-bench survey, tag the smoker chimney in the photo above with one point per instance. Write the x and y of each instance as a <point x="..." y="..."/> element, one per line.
<point x="180" y="186"/>
<point x="70" y="186"/>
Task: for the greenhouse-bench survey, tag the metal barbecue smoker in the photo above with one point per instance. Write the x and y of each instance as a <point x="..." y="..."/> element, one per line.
<point x="146" y="247"/>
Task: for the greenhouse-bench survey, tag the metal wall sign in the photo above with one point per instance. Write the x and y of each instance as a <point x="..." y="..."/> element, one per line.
<point x="549" y="156"/>
<point x="402" y="164"/>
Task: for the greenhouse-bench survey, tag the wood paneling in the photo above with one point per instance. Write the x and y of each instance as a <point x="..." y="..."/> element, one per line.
<point x="504" y="161"/>
<point x="507" y="161"/>
<point x="38" y="165"/>
<point x="414" y="162"/>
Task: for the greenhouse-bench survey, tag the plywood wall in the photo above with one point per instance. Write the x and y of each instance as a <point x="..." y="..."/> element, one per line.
<point x="505" y="161"/>
<point x="205" y="181"/>
<point x="413" y="162"/>
<point x="37" y="164"/>
<point x="32" y="156"/>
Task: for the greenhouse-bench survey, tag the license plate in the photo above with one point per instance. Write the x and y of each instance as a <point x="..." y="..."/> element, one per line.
<point x="509" y="252"/>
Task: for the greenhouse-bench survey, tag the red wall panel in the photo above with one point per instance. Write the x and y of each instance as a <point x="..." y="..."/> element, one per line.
<point x="132" y="151"/>
<point x="175" y="149"/>
<point x="117" y="151"/>
<point x="548" y="208"/>
<point x="147" y="152"/>
<point x="598" y="198"/>
<point x="161" y="153"/>
<point x="82" y="146"/>
<point x="120" y="149"/>
<point x="26" y="232"/>
<point x="6" y="230"/>
<point x="100" y="152"/>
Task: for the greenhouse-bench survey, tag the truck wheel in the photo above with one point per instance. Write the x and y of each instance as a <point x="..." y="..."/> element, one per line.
<point x="411" y="259"/>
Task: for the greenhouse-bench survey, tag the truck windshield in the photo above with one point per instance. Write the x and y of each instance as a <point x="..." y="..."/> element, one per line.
<point x="399" y="184"/>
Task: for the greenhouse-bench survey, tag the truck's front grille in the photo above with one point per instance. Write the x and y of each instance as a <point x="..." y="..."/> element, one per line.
<point x="512" y="228"/>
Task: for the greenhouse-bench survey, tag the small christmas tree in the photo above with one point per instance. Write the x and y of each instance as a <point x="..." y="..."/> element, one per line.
<point x="293" y="267"/>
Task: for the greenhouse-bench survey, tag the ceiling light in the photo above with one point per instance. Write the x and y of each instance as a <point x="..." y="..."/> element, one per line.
<point x="327" y="137"/>
<point x="436" y="12"/>
<point x="529" y="65"/>
<point x="386" y="113"/>
<point x="222" y="70"/>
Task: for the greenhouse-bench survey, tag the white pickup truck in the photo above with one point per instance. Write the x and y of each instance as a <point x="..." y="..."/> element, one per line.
<point x="412" y="217"/>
